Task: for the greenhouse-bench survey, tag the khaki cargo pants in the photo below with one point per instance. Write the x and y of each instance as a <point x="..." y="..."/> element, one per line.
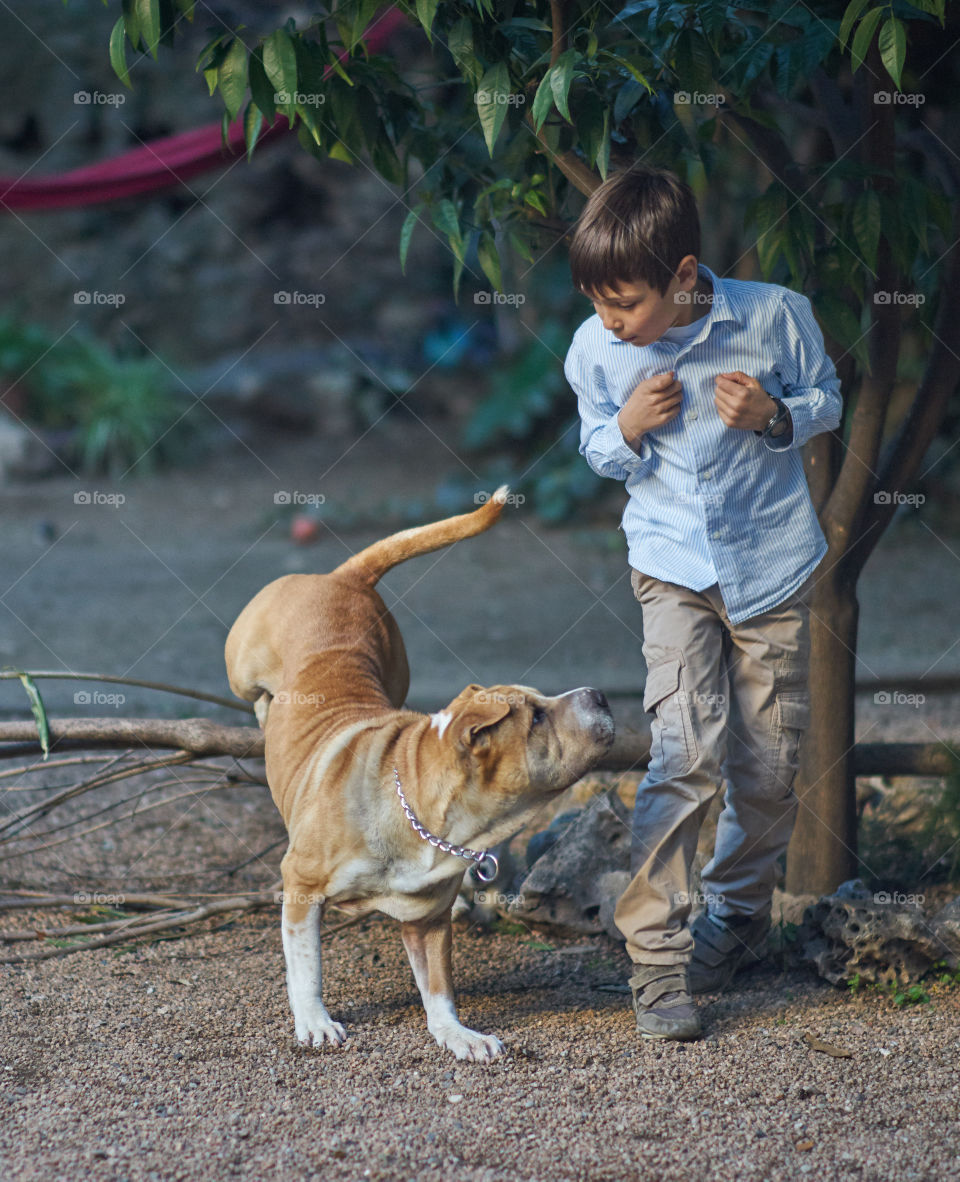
<point x="729" y="702"/>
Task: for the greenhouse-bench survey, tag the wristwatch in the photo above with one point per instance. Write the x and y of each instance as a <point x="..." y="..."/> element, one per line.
<point x="780" y="423"/>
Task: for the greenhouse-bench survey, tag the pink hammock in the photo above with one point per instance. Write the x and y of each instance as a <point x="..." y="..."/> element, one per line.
<point x="160" y="164"/>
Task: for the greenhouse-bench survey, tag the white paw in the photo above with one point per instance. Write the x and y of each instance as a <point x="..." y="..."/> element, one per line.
<point x="468" y="1044"/>
<point x="319" y="1028"/>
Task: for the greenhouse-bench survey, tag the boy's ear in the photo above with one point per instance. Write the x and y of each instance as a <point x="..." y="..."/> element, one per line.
<point x="687" y="273"/>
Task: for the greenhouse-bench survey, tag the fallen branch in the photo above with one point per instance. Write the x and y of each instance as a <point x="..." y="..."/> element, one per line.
<point x="13" y="899"/>
<point x="197" y="736"/>
<point x="125" y="930"/>
<point x="179" y="919"/>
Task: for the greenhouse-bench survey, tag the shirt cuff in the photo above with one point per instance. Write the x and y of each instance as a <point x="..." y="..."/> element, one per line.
<point x="610" y="443"/>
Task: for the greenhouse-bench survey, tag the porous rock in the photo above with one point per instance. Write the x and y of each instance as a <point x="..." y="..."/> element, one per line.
<point x="877" y="937"/>
<point x="575" y="884"/>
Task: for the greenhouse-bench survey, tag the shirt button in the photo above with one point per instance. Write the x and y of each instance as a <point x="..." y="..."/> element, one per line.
<point x="694" y="414"/>
<point x="715" y="534"/>
<point x="707" y="474"/>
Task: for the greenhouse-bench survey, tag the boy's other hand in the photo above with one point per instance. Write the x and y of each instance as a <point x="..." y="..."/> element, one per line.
<point x="742" y="402"/>
<point x="654" y="401"/>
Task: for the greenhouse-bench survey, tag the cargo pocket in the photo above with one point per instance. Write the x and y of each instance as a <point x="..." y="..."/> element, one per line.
<point x="673" y="748"/>
<point x="793" y="718"/>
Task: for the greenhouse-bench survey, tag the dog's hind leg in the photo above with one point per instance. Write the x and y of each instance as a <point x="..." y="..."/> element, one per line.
<point x="300" y="927"/>
<point x="427" y="942"/>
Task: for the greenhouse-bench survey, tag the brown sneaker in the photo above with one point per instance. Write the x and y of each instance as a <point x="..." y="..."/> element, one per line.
<point x="722" y="947"/>
<point x="662" y="1002"/>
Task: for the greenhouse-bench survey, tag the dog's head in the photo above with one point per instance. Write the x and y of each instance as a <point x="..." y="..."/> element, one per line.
<point x="514" y="742"/>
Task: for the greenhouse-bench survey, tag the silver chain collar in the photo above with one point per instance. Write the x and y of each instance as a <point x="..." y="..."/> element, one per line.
<point x="486" y="865"/>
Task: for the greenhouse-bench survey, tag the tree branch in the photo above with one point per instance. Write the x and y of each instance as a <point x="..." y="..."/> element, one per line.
<point x="843" y="514"/>
<point x="926" y="413"/>
<point x="559" y="34"/>
<point x="197" y="736"/>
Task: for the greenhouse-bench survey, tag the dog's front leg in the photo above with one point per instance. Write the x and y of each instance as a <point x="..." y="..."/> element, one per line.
<point x="427" y="943"/>
<point x="301" y="948"/>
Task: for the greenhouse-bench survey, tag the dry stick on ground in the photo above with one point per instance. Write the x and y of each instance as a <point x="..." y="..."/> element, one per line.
<point x="13" y="899"/>
<point x="241" y="903"/>
<point x="237" y="903"/>
<point x="217" y="784"/>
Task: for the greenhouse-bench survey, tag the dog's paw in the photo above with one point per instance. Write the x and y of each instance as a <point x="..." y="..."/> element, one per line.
<point x="319" y="1028"/>
<point x="468" y="1044"/>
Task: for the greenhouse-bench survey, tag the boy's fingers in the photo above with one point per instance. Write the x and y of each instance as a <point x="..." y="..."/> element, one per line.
<point x="661" y="380"/>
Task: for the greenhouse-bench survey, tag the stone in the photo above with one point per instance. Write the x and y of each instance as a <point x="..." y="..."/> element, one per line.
<point x="877" y="938"/>
<point x="581" y="875"/>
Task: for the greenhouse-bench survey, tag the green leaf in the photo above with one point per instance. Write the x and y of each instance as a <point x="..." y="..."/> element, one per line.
<point x="252" y="123"/>
<point x="491" y="99"/>
<point x="535" y="201"/>
<point x="460" y="44"/>
<point x="280" y="66"/>
<point x="426" y="13"/>
<point x="489" y="258"/>
<point x="186" y="7"/>
<point x="768" y="218"/>
<point x="603" y="153"/>
<point x="406" y="233"/>
<point x="843" y="325"/>
<point x="39" y="712"/>
<point x="148" y="15"/>
<point x="118" y="52"/>
<point x="864" y="35"/>
<point x="131" y="22"/>
<point x="893" y="48"/>
<point x="866" y="226"/>
<point x="561" y="75"/>
<point x="627" y="98"/>
<point x="854" y="8"/>
<point x="385" y="159"/>
<point x="542" y="101"/>
<point x="261" y="88"/>
<point x="340" y="151"/>
<point x="445" y="218"/>
<point x="232" y="77"/>
<point x="521" y="246"/>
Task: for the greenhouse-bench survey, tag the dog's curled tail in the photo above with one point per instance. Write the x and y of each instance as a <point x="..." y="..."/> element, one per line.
<point x="370" y="565"/>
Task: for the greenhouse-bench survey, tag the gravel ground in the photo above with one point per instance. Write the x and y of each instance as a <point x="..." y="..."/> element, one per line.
<point x="178" y="1061"/>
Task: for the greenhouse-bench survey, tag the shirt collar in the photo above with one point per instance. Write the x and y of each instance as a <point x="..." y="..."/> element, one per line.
<point x="723" y="306"/>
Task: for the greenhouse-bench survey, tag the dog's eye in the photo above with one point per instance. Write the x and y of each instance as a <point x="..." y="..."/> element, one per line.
<point x="539" y="714"/>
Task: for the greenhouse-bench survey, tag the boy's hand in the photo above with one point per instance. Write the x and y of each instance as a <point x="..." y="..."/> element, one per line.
<point x="742" y="402"/>
<point x="654" y="401"/>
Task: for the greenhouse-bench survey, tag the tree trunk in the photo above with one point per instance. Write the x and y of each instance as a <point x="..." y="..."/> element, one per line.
<point x="823" y="852"/>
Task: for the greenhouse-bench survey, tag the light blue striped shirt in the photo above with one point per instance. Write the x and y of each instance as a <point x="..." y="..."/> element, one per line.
<point x="710" y="503"/>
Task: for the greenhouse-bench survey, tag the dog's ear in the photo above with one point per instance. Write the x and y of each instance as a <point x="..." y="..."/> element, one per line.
<point x="483" y="710"/>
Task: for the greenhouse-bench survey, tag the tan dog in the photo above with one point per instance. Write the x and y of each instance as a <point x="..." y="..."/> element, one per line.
<point x="324" y="663"/>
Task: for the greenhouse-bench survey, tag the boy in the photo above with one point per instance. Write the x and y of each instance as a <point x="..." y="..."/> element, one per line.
<point x="699" y="392"/>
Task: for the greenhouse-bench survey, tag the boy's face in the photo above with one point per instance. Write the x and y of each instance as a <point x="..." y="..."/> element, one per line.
<point x="639" y="314"/>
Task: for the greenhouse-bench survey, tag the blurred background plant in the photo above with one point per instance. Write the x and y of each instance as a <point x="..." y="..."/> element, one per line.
<point x="100" y="411"/>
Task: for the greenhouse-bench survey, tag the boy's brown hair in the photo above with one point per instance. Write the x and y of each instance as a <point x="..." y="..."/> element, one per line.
<point x="637" y="226"/>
